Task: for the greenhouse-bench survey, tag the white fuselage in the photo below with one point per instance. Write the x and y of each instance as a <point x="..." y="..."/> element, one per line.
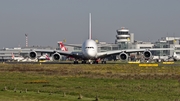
<point x="89" y="49"/>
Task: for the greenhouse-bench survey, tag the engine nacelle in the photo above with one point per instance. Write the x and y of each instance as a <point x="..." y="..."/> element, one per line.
<point x="147" y="54"/>
<point x="33" y="55"/>
<point x="56" y="56"/>
<point x="123" y="56"/>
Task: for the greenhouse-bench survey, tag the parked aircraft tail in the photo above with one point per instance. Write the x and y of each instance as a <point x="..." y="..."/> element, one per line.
<point x="62" y="47"/>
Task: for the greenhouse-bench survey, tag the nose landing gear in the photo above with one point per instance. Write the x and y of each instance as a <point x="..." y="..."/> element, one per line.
<point x="83" y="62"/>
<point x="91" y="62"/>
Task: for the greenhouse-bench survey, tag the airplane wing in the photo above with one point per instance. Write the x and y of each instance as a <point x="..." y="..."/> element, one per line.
<point x="79" y="46"/>
<point x="70" y="54"/>
<point x="77" y="55"/>
<point x="117" y="52"/>
<point x="52" y="51"/>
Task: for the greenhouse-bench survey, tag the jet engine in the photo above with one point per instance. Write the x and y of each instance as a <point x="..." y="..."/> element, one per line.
<point x="32" y="54"/>
<point x="56" y="56"/>
<point x="147" y="54"/>
<point x="123" y="56"/>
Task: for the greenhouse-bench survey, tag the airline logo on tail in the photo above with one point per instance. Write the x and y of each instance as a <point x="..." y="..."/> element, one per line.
<point x="62" y="47"/>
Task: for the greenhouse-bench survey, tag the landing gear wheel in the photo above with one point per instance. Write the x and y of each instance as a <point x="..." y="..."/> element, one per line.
<point x="83" y="62"/>
<point x="75" y="62"/>
<point x="90" y="62"/>
<point x="95" y="62"/>
<point x="103" y="62"/>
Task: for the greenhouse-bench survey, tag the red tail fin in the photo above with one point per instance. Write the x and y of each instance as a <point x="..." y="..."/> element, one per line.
<point x="62" y="47"/>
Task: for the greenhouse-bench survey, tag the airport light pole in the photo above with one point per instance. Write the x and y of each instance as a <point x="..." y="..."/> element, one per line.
<point x="26" y="35"/>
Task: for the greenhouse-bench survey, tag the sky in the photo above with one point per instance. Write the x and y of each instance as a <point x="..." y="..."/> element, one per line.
<point x="49" y="21"/>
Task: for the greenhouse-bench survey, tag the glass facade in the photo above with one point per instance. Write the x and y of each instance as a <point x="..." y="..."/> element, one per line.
<point x="122" y="33"/>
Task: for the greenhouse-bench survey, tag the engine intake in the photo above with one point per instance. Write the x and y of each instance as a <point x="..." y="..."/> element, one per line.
<point x="123" y="56"/>
<point x="33" y="55"/>
<point x="56" y="56"/>
<point x="147" y="54"/>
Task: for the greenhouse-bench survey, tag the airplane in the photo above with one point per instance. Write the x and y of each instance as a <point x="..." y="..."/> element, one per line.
<point x="89" y="52"/>
<point x="44" y="57"/>
<point x="19" y="58"/>
<point x="22" y="59"/>
<point x="30" y="60"/>
<point x="176" y="56"/>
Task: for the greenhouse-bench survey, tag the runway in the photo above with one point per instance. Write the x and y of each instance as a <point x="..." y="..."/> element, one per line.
<point x="108" y="62"/>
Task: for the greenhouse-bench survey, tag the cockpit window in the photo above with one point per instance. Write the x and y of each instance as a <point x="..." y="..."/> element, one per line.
<point x="90" y="47"/>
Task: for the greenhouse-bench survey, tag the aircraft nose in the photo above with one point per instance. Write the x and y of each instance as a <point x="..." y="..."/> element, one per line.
<point x="91" y="53"/>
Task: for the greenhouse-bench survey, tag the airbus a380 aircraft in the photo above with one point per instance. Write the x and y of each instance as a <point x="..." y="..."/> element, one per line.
<point x="90" y="52"/>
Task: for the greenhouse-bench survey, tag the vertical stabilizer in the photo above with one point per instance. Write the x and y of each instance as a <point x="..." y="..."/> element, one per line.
<point x="62" y="47"/>
<point x="90" y="26"/>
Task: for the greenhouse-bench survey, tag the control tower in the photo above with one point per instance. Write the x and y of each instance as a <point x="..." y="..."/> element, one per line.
<point x="124" y="38"/>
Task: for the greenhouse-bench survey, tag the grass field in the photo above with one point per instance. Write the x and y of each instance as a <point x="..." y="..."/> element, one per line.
<point x="109" y="82"/>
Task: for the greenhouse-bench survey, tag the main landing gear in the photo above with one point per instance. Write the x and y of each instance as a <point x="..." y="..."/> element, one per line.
<point x="90" y="62"/>
<point x="103" y="62"/>
<point x="75" y="62"/>
<point x="95" y="62"/>
<point x="83" y="62"/>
